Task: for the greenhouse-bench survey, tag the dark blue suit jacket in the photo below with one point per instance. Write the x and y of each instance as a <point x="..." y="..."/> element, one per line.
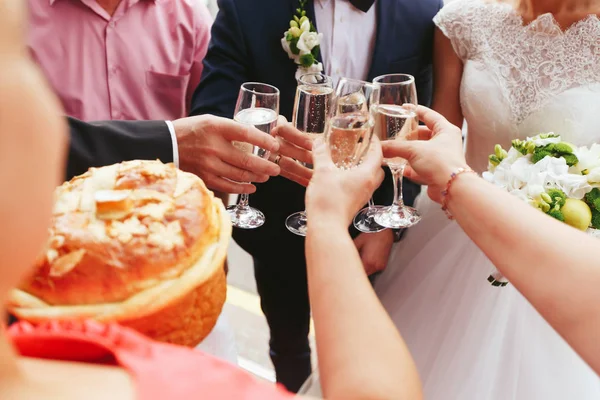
<point x="246" y="46"/>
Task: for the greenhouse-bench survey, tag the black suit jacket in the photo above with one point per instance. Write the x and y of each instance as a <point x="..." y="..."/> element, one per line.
<point x="246" y="46"/>
<point x="104" y="143"/>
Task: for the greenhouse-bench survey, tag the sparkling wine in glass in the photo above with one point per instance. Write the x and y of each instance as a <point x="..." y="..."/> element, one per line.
<point x="354" y="96"/>
<point x="312" y="109"/>
<point x="348" y="138"/>
<point x="396" y="119"/>
<point x="257" y="105"/>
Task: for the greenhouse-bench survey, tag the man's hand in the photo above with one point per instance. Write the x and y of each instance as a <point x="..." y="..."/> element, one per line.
<point x="374" y="249"/>
<point x="293" y="145"/>
<point x="205" y="149"/>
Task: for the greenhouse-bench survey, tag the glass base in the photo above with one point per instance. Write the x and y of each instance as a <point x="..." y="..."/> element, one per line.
<point x="246" y="217"/>
<point x="364" y="221"/>
<point x="296" y="223"/>
<point x="395" y="217"/>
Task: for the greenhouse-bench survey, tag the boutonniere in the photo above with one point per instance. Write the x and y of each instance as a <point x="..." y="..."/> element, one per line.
<point x="301" y="42"/>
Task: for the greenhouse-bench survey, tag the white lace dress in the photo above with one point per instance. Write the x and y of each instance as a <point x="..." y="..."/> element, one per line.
<point x="472" y="341"/>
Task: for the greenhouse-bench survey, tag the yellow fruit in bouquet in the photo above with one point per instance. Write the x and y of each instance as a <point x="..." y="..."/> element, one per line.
<point x="577" y="214"/>
<point x="140" y="243"/>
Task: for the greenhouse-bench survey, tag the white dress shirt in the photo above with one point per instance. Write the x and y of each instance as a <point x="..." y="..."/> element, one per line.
<point x="348" y="38"/>
<point x="174" y="143"/>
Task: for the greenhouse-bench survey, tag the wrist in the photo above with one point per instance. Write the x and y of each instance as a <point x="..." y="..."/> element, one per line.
<point x="325" y="222"/>
<point x="445" y="173"/>
<point x="457" y="182"/>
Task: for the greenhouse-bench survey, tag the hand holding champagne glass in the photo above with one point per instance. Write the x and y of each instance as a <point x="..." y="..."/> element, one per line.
<point x="257" y="105"/>
<point x="358" y="97"/>
<point x="312" y="108"/>
<point x="396" y="119"/>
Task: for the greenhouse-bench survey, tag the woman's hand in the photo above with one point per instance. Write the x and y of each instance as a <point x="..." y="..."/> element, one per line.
<point x="335" y="195"/>
<point x="436" y="154"/>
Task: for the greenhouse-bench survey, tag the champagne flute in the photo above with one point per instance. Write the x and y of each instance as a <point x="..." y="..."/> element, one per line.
<point x="348" y="134"/>
<point x="312" y="108"/>
<point x="348" y="138"/>
<point x="396" y="119"/>
<point x="257" y="105"/>
<point x="359" y="96"/>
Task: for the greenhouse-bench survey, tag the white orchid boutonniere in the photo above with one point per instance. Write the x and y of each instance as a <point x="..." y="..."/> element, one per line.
<point x="302" y="43"/>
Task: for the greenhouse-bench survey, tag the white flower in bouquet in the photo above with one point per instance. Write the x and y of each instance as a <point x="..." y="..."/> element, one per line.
<point x="589" y="163"/>
<point x="574" y="186"/>
<point x="543" y="141"/>
<point x="305" y="25"/>
<point x="315" y="68"/>
<point x="286" y="46"/>
<point x="308" y="41"/>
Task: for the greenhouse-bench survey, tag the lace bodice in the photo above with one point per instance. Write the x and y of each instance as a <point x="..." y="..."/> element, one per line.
<point x="520" y="80"/>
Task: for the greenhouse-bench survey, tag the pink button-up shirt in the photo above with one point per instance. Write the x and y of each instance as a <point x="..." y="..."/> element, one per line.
<point x="144" y="62"/>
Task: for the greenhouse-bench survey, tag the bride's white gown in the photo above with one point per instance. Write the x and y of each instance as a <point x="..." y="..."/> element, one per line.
<point x="472" y="341"/>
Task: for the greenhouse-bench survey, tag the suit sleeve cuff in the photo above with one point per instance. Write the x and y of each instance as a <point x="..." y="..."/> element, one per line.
<point x="174" y="143"/>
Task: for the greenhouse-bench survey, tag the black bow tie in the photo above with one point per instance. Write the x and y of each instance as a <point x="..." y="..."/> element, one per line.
<point x="362" y="5"/>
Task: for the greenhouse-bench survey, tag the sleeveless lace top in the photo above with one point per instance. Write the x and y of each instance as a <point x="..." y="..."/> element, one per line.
<point x="520" y="80"/>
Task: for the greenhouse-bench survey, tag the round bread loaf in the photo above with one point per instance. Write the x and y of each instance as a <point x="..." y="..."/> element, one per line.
<point x="141" y="243"/>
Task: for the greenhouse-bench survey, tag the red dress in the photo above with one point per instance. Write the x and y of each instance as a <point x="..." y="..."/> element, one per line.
<point x="158" y="370"/>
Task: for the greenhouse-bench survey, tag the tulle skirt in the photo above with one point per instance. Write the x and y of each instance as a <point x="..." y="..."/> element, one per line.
<point x="470" y="340"/>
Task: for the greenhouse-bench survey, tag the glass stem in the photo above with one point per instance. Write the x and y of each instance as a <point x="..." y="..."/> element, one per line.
<point x="398" y="174"/>
<point x="243" y="202"/>
<point x="371" y="204"/>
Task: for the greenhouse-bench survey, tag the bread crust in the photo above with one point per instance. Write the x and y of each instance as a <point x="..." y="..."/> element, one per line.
<point x="140" y="243"/>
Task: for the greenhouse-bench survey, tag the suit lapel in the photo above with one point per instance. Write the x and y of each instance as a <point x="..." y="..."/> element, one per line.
<point x="384" y="7"/>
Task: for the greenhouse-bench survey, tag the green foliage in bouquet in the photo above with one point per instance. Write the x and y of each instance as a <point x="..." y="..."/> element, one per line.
<point x="499" y="155"/>
<point x="556" y="150"/>
<point x="551" y="203"/>
<point x="523" y="147"/>
<point x="593" y="200"/>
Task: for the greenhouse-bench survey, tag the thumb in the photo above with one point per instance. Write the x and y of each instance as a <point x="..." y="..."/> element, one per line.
<point x="373" y="158"/>
<point x="321" y="156"/>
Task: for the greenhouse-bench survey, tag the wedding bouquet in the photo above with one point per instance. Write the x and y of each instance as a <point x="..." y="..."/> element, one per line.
<point x="558" y="178"/>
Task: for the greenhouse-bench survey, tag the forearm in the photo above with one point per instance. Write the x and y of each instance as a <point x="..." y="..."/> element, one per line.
<point x="361" y="353"/>
<point x="555" y="266"/>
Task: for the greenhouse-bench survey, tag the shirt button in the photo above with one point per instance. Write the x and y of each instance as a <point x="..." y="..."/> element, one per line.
<point x="112" y="24"/>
